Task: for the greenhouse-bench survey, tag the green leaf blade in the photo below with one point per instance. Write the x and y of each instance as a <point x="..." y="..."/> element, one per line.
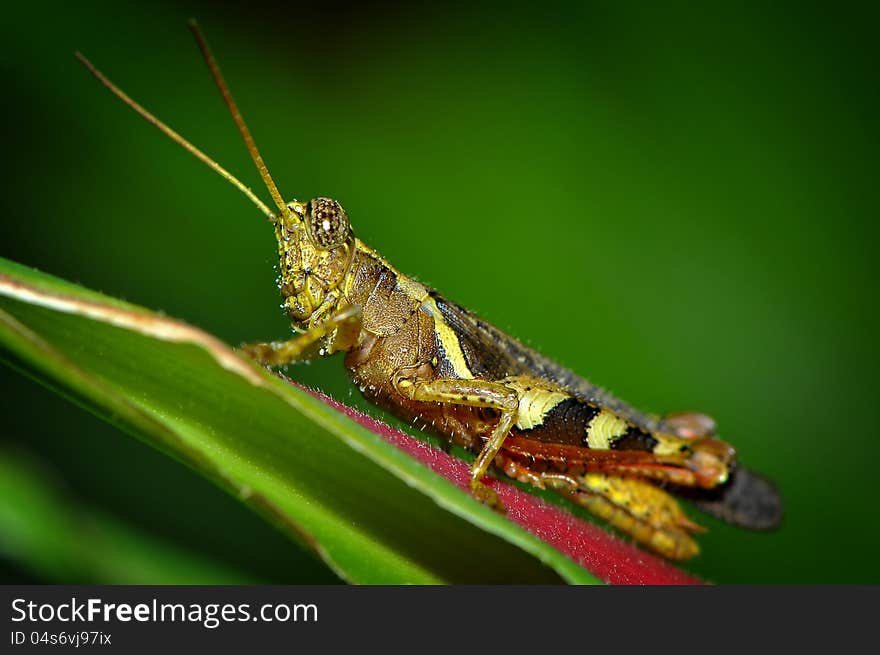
<point x="304" y="466"/>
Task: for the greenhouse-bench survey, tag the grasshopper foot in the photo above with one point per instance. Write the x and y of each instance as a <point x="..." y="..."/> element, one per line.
<point x="486" y="496"/>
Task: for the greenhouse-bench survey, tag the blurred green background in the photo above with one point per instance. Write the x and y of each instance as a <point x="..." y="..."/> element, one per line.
<point x="679" y="204"/>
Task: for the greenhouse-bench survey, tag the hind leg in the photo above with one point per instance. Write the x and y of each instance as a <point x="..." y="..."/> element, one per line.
<point x="639" y="509"/>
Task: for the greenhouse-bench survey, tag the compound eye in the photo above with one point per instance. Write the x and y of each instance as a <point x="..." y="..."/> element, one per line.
<point x="328" y="223"/>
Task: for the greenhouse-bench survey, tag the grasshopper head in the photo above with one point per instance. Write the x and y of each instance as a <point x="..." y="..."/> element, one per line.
<point x="314" y="239"/>
<point x="315" y="245"/>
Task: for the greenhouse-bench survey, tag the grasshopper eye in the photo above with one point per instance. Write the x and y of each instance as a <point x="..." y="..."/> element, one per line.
<point x="327" y="222"/>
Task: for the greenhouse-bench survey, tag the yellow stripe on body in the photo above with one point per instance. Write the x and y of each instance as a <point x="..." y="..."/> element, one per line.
<point x="412" y="288"/>
<point x="604" y="427"/>
<point x="668" y="444"/>
<point x="449" y="341"/>
<point x="534" y="401"/>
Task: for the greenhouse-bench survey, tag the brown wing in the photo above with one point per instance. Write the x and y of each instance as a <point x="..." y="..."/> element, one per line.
<point x="747" y="500"/>
<point x="493" y="354"/>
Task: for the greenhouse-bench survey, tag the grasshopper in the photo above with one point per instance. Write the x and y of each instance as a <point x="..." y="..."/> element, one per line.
<point x="429" y="361"/>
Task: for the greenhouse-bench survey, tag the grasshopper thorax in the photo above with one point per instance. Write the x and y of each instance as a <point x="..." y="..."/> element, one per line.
<point x="315" y="247"/>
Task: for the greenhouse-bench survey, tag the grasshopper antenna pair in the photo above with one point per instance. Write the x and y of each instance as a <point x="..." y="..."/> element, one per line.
<point x="189" y="147"/>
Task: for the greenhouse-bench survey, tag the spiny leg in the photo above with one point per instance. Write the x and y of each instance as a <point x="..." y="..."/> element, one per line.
<point x="347" y="323"/>
<point x="694" y="462"/>
<point x="561" y="482"/>
<point x="639" y="509"/>
<point x="659" y="472"/>
<point x="471" y="393"/>
<point x="648" y="514"/>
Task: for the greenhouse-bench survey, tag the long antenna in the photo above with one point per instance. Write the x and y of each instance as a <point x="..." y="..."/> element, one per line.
<point x="174" y="136"/>
<point x="236" y="116"/>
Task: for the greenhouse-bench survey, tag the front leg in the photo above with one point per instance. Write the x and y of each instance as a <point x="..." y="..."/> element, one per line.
<point x="346" y="323"/>
<point x="471" y="393"/>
